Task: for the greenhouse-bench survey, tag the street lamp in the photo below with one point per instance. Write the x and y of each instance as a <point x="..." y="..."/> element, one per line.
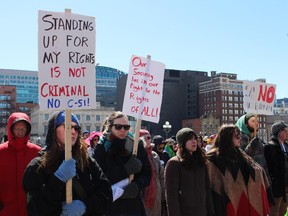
<point x="167" y="128"/>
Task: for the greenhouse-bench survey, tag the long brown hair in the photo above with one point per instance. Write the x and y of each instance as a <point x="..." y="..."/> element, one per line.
<point x="54" y="154"/>
<point x="224" y="146"/>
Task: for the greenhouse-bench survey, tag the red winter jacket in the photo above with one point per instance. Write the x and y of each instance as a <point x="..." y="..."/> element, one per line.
<point x="15" y="154"/>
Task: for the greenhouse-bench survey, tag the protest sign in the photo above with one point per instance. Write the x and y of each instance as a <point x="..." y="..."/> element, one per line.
<point x="144" y="89"/>
<point x="66" y="61"/>
<point x="258" y="97"/>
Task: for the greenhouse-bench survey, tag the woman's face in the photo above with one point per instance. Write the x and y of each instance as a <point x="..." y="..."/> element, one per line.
<point x="60" y="134"/>
<point x="236" y="138"/>
<point x="94" y="141"/>
<point x="200" y="143"/>
<point x="147" y="138"/>
<point x="191" y="144"/>
<point x="120" y="127"/>
<point x="161" y="147"/>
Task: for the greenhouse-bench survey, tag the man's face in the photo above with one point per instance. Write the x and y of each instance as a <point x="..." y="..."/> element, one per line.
<point x="20" y="129"/>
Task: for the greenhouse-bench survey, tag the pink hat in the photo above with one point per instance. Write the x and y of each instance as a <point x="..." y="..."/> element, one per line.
<point x="92" y="135"/>
<point x="143" y="132"/>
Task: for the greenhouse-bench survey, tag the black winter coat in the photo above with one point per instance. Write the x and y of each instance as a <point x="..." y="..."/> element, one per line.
<point x="275" y="159"/>
<point x="46" y="193"/>
<point x="112" y="164"/>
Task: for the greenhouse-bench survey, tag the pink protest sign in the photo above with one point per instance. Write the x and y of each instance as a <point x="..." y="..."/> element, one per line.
<point x="144" y="89"/>
<point x="258" y="97"/>
<point x="66" y="61"/>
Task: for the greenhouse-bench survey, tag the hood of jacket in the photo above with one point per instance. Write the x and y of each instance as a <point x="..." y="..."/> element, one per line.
<point x="242" y="126"/>
<point x="50" y="136"/>
<point x="18" y="143"/>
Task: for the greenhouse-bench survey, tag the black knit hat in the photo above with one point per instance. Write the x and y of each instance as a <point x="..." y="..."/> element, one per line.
<point x="248" y="116"/>
<point x="157" y="140"/>
<point x="183" y="134"/>
<point x="277" y="127"/>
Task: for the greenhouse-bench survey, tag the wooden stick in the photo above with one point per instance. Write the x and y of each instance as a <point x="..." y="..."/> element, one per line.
<point x="136" y="141"/>
<point x="68" y="147"/>
<point x="68" y="152"/>
<point x="137" y="130"/>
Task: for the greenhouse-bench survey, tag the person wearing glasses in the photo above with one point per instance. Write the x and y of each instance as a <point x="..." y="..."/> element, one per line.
<point x="15" y="154"/>
<point x="239" y="184"/>
<point x="154" y="194"/>
<point x="114" y="155"/>
<point x="92" y="141"/>
<point x="45" y="177"/>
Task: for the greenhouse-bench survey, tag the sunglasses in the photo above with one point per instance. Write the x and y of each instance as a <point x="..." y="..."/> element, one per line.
<point x="237" y="136"/>
<point x="75" y="127"/>
<point x="119" y="127"/>
<point x="160" y="149"/>
<point x="148" y="137"/>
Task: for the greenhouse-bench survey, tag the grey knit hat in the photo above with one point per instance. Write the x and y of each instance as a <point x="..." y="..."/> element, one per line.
<point x="183" y="134"/>
<point x="277" y="127"/>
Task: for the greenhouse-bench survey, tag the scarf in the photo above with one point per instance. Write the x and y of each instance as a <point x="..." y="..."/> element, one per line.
<point x="149" y="198"/>
<point x="169" y="150"/>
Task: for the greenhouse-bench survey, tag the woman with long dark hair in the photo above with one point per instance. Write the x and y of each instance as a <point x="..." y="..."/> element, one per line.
<point x="45" y="177"/>
<point x="187" y="183"/>
<point x="239" y="184"/>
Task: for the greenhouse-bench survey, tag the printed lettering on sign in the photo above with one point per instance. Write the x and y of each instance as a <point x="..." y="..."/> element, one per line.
<point x="66" y="59"/>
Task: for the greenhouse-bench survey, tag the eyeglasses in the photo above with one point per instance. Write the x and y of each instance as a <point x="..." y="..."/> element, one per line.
<point x="95" y="140"/>
<point x="17" y="130"/>
<point x="119" y="127"/>
<point x="237" y="136"/>
<point x="75" y="127"/>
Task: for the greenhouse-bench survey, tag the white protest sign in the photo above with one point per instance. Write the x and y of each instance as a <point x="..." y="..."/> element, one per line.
<point x="144" y="89"/>
<point x="66" y="61"/>
<point x="258" y="97"/>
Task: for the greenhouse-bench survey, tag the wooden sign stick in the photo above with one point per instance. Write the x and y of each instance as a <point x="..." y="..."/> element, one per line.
<point x="136" y="134"/>
<point x="68" y="152"/>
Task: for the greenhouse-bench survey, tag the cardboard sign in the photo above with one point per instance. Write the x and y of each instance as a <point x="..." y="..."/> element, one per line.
<point x="144" y="89"/>
<point x="258" y="97"/>
<point x="66" y="61"/>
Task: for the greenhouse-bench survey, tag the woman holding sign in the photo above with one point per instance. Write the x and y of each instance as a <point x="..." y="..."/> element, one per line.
<point x="114" y="155"/>
<point x="45" y="177"/>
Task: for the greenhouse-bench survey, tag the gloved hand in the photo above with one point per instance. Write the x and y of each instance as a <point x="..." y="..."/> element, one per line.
<point x="133" y="165"/>
<point x="67" y="170"/>
<point x="76" y="208"/>
<point x="130" y="191"/>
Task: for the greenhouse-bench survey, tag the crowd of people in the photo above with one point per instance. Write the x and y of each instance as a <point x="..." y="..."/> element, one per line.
<point x="232" y="172"/>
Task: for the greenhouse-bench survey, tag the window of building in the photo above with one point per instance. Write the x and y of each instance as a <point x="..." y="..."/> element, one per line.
<point x="46" y="117"/>
<point x="88" y="128"/>
<point x="88" y="117"/>
<point x="98" y="118"/>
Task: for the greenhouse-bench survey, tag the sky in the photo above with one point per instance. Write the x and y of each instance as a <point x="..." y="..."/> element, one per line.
<point x="247" y="38"/>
